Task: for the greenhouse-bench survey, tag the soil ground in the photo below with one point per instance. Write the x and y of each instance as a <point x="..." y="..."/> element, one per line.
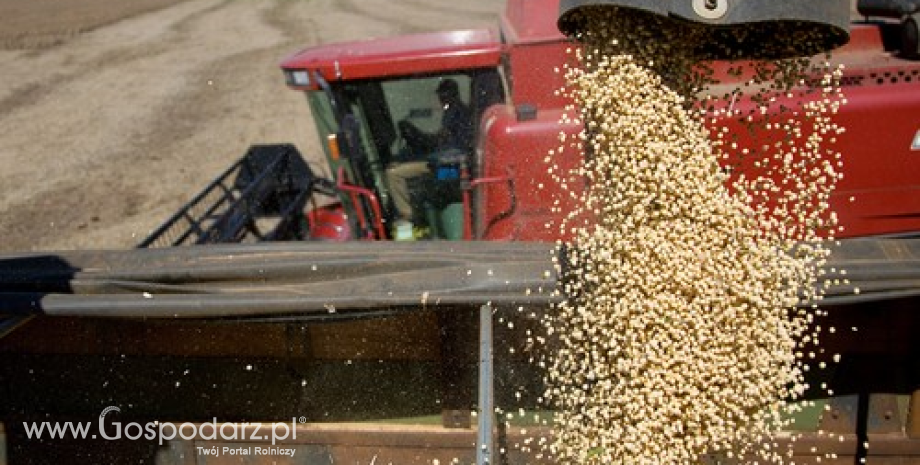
<point x="114" y="113"/>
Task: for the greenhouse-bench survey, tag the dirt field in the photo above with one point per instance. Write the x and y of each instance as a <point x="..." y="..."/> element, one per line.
<point x="113" y="113"/>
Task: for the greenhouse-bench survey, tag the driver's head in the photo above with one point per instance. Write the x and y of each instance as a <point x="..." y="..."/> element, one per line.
<point x="448" y="91"/>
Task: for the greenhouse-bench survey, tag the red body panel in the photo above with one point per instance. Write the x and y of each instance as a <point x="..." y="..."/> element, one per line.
<point x="329" y="223"/>
<point x="401" y="56"/>
<point x="535" y="49"/>
<point x="534" y="79"/>
<point x="882" y="119"/>
<point x="530" y="21"/>
<point x="882" y="173"/>
<point x="522" y="147"/>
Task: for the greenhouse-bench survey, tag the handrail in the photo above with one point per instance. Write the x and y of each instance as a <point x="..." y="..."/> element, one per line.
<point x="354" y="193"/>
<point x="467" y="207"/>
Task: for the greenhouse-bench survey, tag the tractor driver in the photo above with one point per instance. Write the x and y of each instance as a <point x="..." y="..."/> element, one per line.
<point x="456" y="133"/>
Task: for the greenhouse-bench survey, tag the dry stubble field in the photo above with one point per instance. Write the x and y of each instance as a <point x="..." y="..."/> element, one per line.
<point x="113" y="113"/>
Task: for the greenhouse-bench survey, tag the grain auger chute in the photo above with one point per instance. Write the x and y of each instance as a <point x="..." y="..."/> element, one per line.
<point x="731" y="29"/>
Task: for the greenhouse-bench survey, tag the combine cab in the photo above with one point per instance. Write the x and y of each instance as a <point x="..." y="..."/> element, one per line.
<point x="337" y="329"/>
<point x="374" y="115"/>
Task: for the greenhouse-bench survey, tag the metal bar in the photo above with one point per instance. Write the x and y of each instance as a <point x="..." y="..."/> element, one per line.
<point x="862" y="428"/>
<point x="229" y="208"/>
<point x="217" y="182"/>
<point x="913" y="418"/>
<point x="240" y="212"/>
<point x="467" y="205"/>
<point x="289" y="215"/>
<point x="484" y="443"/>
<point x="196" y="220"/>
<point x="8" y="324"/>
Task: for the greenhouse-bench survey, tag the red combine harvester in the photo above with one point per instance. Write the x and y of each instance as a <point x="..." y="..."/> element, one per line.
<point x="367" y="303"/>
<point x="360" y="92"/>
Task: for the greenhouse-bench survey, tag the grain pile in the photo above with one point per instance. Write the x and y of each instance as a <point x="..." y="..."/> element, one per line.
<point x="685" y="333"/>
